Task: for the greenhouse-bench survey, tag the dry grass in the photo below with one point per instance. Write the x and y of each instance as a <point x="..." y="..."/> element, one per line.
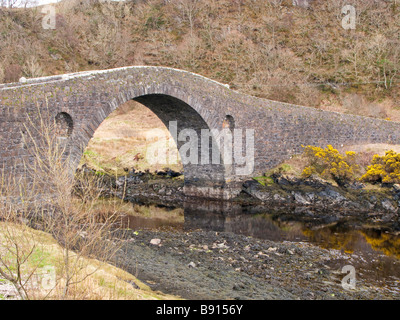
<point x="106" y="282"/>
<point x="351" y="103"/>
<point x="280" y="52"/>
<point x="376" y="148"/>
<point x="123" y="139"/>
<point x="66" y="206"/>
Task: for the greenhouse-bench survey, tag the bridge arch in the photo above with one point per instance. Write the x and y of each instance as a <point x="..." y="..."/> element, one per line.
<point x="204" y="178"/>
<point x="280" y="129"/>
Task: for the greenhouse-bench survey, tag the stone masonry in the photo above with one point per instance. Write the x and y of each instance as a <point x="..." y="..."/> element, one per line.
<point x="83" y="100"/>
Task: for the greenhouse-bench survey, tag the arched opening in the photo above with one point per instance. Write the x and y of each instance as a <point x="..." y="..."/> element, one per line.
<point x="122" y="143"/>
<point x="202" y="163"/>
<point x="151" y="125"/>
<point x="229" y="122"/>
<point x="64" y="125"/>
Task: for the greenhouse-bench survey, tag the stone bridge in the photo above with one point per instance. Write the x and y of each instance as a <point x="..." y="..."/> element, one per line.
<point x="270" y="131"/>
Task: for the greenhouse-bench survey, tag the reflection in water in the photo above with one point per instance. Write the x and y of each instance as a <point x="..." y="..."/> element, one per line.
<point x="153" y="217"/>
<point x="385" y="242"/>
<point x="330" y="233"/>
<point x="375" y="253"/>
<point x="260" y="226"/>
<point x="350" y="240"/>
<point x="135" y="222"/>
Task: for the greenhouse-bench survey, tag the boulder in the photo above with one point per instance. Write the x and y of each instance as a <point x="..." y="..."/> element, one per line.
<point x="155" y="242"/>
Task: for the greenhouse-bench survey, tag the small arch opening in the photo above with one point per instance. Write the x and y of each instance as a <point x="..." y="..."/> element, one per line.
<point x="64" y="125"/>
<point x="229" y="122"/>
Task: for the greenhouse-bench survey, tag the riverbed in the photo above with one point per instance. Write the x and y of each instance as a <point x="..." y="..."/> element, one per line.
<point x="211" y="250"/>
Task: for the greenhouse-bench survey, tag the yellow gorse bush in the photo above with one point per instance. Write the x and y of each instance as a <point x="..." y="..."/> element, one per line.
<point x="329" y="162"/>
<point x="384" y="169"/>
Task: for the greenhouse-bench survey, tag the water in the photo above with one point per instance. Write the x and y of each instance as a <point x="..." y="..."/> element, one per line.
<point x="345" y="234"/>
<point x="373" y="250"/>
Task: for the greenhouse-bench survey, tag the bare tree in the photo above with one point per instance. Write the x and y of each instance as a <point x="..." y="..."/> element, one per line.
<point x="17" y="3"/>
<point x="189" y="10"/>
<point x="20" y="250"/>
<point x="47" y="196"/>
<point x="70" y="216"/>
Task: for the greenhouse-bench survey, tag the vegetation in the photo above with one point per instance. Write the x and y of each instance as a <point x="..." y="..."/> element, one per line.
<point x="271" y="49"/>
<point x="77" y="238"/>
<point x="330" y="163"/>
<point x="372" y="163"/>
<point x="385" y="169"/>
<point x="105" y="281"/>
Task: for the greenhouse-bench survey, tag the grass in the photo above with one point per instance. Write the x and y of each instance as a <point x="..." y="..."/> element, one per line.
<point x="265" y="181"/>
<point x="123" y="140"/>
<point x="106" y="283"/>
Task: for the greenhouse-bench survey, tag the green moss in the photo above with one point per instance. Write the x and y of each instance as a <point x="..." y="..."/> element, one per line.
<point x="264" y="181"/>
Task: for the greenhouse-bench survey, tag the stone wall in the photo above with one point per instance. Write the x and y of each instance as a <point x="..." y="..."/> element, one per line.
<point x="85" y="99"/>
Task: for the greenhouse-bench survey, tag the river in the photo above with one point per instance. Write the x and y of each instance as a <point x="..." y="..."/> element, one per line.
<point x="229" y="232"/>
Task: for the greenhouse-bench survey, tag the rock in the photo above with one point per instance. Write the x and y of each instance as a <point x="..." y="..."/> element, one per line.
<point x="367" y="205"/>
<point x="134" y="285"/>
<point x="387" y="185"/>
<point x="261" y="195"/>
<point x="282" y="181"/>
<point x="332" y="195"/>
<point x="7" y="290"/>
<point x="250" y="184"/>
<point x="155" y="242"/>
<point x="315" y="182"/>
<point x="254" y="189"/>
<point x="356" y="185"/>
<point x="302" y="199"/>
<point x="278" y="197"/>
<point x="162" y="190"/>
<point x="173" y="174"/>
<point x="303" y="211"/>
<point x="396" y="187"/>
<point x="302" y="3"/>
<point x="389" y="216"/>
<point x="222" y="246"/>
<point x="387" y="205"/>
<point x="192" y="265"/>
<point x="120" y="182"/>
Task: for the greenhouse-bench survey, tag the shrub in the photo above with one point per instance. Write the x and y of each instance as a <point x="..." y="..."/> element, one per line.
<point x="330" y="163"/>
<point x="12" y="73"/>
<point x="384" y="169"/>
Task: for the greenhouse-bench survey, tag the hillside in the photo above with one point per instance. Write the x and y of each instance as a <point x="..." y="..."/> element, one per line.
<point x="268" y="48"/>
